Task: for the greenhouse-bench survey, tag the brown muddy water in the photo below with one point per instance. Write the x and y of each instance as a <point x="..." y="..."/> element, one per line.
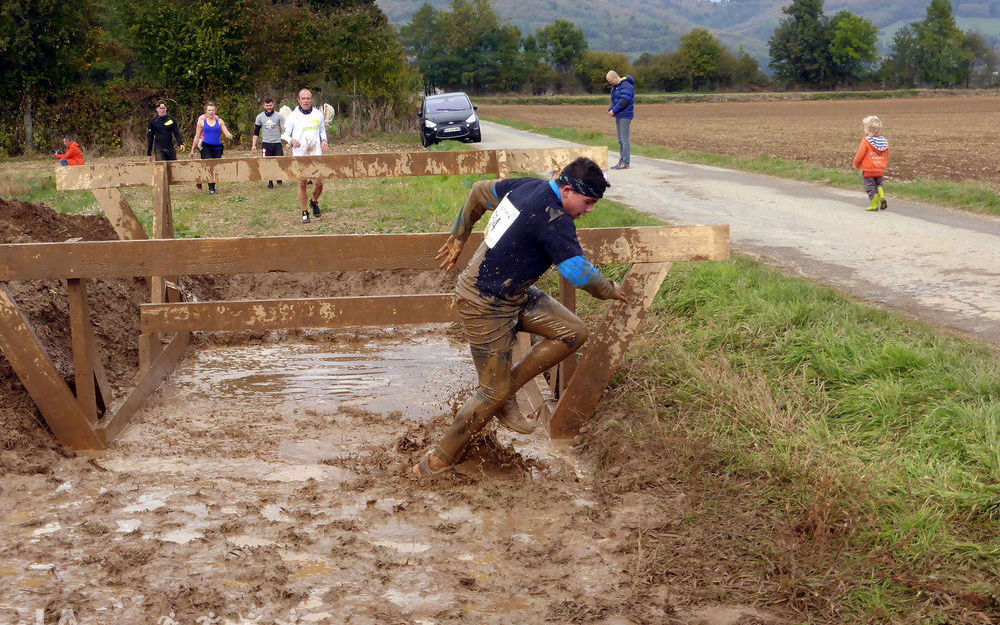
<point x="270" y="484"/>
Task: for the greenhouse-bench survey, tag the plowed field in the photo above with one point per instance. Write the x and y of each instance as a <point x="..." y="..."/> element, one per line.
<point x="943" y="138"/>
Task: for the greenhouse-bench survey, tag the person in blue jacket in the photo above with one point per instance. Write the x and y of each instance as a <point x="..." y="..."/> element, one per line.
<point x="623" y="110"/>
<point x="530" y="229"/>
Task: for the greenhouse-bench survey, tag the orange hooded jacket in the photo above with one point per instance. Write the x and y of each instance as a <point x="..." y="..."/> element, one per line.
<point x="73" y="154"/>
<point x="872" y="156"/>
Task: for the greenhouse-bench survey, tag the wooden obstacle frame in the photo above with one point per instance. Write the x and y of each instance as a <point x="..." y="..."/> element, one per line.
<point x="89" y="418"/>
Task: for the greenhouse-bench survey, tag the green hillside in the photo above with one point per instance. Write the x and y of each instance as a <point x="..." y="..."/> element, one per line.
<point x="637" y="26"/>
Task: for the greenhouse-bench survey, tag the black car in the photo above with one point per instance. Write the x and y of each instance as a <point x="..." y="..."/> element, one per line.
<point x="448" y="116"/>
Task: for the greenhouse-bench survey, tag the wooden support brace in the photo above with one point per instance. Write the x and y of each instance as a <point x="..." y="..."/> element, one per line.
<point x="42" y="380"/>
<point x="531" y="398"/>
<point x="93" y="392"/>
<point x="118" y="211"/>
<point x="158" y="370"/>
<point x="606" y="349"/>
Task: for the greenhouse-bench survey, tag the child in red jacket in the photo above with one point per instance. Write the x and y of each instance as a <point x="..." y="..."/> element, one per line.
<point x="72" y="155"/>
<point x="871" y="159"/>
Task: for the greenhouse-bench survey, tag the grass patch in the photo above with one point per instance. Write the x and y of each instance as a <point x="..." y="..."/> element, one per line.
<point x="972" y="196"/>
<point x="870" y="441"/>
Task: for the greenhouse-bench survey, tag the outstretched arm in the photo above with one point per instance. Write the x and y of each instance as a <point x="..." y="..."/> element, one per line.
<point x="583" y="275"/>
<point x="481" y="198"/>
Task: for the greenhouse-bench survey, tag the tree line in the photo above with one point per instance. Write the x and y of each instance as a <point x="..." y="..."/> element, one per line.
<point x="467" y="47"/>
<point x="812" y="49"/>
<point x="95" y="68"/>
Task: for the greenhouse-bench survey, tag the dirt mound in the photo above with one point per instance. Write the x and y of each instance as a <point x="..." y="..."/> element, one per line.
<point x="21" y="222"/>
<point x="45" y="305"/>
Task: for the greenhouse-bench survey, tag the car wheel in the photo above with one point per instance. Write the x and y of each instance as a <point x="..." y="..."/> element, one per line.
<point x="423" y="140"/>
<point x="477" y="136"/>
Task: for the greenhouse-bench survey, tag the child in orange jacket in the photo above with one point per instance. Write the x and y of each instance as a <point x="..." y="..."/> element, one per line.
<point x="871" y="159"/>
<point x="72" y="155"/>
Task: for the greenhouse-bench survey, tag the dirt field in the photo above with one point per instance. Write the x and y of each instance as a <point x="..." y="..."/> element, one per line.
<point x="942" y="138"/>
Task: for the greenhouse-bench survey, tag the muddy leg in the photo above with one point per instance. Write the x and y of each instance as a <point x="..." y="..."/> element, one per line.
<point x="494" y="387"/>
<point x="563" y="334"/>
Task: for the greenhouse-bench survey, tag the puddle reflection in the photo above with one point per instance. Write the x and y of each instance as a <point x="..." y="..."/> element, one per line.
<point x="420" y="377"/>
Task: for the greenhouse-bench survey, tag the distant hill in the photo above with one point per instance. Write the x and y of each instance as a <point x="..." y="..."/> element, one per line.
<point x="637" y="26"/>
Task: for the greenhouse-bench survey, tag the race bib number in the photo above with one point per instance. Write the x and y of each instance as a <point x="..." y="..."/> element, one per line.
<point x="503" y="216"/>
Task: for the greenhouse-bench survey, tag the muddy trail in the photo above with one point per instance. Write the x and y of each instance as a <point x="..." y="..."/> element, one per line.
<point x="266" y="482"/>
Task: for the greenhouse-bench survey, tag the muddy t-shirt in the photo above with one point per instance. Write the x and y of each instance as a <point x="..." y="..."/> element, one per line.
<point x="527" y="233"/>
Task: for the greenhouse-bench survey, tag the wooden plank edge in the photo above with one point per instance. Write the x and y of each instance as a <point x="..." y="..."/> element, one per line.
<point x="304" y="253"/>
<point x="285" y="314"/>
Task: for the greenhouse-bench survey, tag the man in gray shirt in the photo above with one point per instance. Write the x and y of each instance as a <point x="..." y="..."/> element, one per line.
<point x="269" y="126"/>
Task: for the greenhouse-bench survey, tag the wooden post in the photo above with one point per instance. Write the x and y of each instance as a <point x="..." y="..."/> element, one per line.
<point x="79" y="319"/>
<point x="42" y="380"/>
<point x="87" y="364"/>
<point x="163" y="228"/>
<point x="606" y="349"/>
<point x="567" y="296"/>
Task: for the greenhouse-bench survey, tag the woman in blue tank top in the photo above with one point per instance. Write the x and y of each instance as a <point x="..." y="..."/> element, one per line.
<point x="208" y="136"/>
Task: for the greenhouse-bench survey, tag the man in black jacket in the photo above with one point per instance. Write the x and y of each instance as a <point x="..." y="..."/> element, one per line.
<point x="160" y="135"/>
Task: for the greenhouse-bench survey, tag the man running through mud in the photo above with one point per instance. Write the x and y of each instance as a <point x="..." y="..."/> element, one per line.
<point x="531" y="229"/>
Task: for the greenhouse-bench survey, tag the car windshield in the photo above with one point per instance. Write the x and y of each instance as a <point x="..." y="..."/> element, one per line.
<point x="455" y="103"/>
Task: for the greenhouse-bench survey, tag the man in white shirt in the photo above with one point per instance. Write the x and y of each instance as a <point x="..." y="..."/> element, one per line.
<point x="305" y="132"/>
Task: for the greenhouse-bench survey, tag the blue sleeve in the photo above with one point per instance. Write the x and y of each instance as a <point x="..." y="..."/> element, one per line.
<point x="578" y="270"/>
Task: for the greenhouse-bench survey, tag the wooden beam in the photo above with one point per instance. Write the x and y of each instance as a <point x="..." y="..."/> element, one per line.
<point x="256" y="168"/>
<point x="160" y="368"/>
<point x="118" y="211"/>
<point x="275" y="314"/>
<point x="104" y="176"/>
<point x="42" y="380"/>
<point x="120" y="259"/>
<point x="606" y="349"/>
<point x="253" y="169"/>
<point x="551" y="159"/>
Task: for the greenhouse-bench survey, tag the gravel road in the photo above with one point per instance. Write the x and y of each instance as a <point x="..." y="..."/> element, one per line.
<point x="933" y="263"/>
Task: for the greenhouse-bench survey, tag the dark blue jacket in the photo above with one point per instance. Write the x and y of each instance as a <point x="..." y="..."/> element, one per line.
<point x="622" y="97"/>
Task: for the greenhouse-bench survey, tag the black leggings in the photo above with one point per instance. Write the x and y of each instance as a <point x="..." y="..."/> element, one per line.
<point x="211" y="151"/>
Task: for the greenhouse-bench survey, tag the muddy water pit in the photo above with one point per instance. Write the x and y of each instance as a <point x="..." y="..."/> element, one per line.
<point x="269" y="484"/>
